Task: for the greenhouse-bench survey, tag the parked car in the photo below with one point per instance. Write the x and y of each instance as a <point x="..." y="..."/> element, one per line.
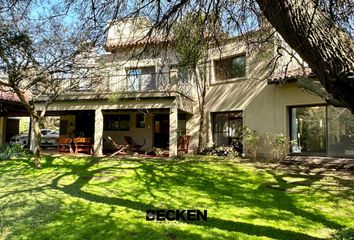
<point x="21" y="139"/>
<point x="49" y="138"/>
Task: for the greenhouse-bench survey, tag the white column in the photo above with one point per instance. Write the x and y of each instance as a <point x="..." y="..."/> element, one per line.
<point x="31" y="138"/>
<point x="173" y="130"/>
<point x="98" y="138"/>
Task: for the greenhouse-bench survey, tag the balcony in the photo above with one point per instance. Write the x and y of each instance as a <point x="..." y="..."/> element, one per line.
<point x="132" y="84"/>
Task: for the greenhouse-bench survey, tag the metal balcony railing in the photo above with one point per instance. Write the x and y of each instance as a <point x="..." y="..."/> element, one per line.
<point x="135" y="83"/>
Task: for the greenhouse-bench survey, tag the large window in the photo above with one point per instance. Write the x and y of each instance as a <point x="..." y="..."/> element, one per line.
<point x="340" y="131"/>
<point x="322" y="130"/>
<point x="308" y="129"/>
<point x="117" y="122"/>
<point x="229" y="68"/>
<point x="227" y="128"/>
<point x="141" y="79"/>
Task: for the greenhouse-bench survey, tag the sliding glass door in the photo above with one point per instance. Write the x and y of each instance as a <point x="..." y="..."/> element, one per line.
<point x="322" y="130"/>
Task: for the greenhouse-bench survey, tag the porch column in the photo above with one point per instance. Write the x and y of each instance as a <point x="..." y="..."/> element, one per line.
<point x="98" y="138"/>
<point x="173" y="130"/>
<point x="31" y="139"/>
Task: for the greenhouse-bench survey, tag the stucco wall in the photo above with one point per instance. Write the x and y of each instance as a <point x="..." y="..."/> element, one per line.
<point x="233" y="94"/>
<point x="269" y="111"/>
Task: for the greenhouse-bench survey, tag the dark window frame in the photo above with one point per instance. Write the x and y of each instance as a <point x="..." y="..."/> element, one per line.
<point x="140" y="123"/>
<point x="230" y="118"/>
<point x="218" y="70"/>
<point x="116" y="122"/>
<point x="138" y="75"/>
<point x="326" y="153"/>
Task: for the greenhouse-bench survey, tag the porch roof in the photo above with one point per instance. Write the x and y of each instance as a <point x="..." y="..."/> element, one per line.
<point x="102" y="101"/>
<point x="291" y="76"/>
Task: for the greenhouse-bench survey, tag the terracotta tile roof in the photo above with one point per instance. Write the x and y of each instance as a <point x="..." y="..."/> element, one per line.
<point x="11" y="97"/>
<point x="291" y="75"/>
<point x="113" y="44"/>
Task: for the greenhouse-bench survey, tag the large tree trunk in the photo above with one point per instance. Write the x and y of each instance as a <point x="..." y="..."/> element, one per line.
<point x="201" y="92"/>
<point x="327" y="49"/>
<point x="37" y="141"/>
<point x="201" y="124"/>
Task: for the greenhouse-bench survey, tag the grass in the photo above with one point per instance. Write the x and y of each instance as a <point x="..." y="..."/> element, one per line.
<point x="91" y="198"/>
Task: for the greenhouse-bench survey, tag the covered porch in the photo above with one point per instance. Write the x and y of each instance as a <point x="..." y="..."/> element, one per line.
<point x="150" y="129"/>
<point x="153" y="123"/>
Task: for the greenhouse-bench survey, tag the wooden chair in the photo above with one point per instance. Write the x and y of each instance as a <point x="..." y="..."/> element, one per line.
<point x="83" y="144"/>
<point x="183" y="144"/>
<point x="64" y="145"/>
<point x="133" y="147"/>
<point x="120" y="148"/>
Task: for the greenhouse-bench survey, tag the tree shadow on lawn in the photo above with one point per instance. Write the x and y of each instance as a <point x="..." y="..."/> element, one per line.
<point x="148" y="169"/>
<point x="79" y="220"/>
<point x="156" y="175"/>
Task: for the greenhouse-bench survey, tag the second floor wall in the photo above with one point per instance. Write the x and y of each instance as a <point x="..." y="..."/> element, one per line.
<point x="135" y="67"/>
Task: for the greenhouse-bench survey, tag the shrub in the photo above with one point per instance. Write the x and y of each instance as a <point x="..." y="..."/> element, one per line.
<point x="8" y="151"/>
<point x="155" y="151"/>
<point x="344" y="234"/>
<point x="251" y="140"/>
<point x="220" y="151"/>
<point x="279" y="145"/>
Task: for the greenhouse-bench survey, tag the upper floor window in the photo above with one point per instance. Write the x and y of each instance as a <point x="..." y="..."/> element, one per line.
<point x="229" y="68"/>
<point x="179" y="72"/>
<point x="141" y="79"/>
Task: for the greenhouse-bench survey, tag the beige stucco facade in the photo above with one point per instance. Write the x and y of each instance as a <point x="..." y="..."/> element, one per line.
<point x="264" y="107"/>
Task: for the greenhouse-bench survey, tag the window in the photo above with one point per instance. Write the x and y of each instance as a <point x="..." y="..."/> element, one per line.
<point x="141" y="79"/>
<point x="117" y="122"/>
<point x="140" y="121"/>
<point x="340" y="127"/>
<point x="181" y="73"/>
<point x="229" y="68"/>
<point x="181" y="125"/>
<point x="228" y="129"/>
<point x="308" y="129"/>
<point x="323" y="130"/>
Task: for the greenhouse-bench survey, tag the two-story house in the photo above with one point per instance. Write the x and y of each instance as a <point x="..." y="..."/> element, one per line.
<point x="143" y="93"/>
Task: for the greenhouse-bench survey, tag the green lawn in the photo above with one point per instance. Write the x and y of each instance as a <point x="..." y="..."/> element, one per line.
<point x="89" y="198"/>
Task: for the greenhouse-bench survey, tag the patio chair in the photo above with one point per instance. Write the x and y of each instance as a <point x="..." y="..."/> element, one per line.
<point x="183" y="144"/>
<point x="132" y="145"/>
<point x="120" y="148"/>
<point x="83" y="144"/>
<point x="64" y="145"/>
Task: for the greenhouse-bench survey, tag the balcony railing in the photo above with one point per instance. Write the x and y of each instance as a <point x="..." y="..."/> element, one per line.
<point x="136" y="83"/>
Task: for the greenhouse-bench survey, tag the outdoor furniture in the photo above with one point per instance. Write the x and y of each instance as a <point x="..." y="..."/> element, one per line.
<point x="120" y="148"/>
<point x="133" y="147"/>
<point x="183" y="144"/>
<point x="83" y="144"/>
<point x="64" y="145"/>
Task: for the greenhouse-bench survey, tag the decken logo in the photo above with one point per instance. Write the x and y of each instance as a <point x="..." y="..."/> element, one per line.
<point x="176" y="215"/>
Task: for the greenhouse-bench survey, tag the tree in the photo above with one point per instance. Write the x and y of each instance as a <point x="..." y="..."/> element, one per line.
<point x="312" y="29"/>
<point x="321" y="32"/>
<point x="38" y="60"/>
<point x="192" y="41"/>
